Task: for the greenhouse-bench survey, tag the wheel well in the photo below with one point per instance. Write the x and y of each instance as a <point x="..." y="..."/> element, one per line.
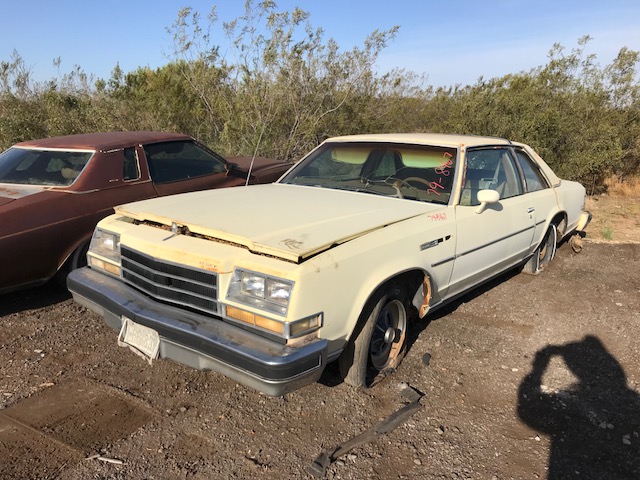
<point x="411" y="280"/>
<point x="70" y="262"/>
<point x="560" y="221"/>
<point x="78" y="258"/>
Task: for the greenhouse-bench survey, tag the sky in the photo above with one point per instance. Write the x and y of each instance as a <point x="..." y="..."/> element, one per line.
<point x="452" y="42"/>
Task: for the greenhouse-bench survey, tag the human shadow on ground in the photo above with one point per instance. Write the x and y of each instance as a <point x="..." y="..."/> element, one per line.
<point x="594" y="424"/>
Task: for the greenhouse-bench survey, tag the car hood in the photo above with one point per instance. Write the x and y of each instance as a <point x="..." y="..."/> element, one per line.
<point x="10" y="192"/>
<point x="258" y="164"/>
<point x="288" y="221"/>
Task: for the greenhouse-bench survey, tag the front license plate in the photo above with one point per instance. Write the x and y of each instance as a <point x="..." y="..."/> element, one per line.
<point x="142" y="340"/>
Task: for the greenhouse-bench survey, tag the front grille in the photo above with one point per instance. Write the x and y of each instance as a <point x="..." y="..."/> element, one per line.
<point x="169" y="282"/>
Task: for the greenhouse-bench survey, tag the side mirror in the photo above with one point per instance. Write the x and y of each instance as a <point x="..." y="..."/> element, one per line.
<point x="485" y="197"/>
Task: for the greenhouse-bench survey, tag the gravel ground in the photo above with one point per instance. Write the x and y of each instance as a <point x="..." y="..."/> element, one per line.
<point x="528" y="377"/>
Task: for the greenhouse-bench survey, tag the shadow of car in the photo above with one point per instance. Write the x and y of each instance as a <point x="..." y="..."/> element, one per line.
<point x="53" y="191"/>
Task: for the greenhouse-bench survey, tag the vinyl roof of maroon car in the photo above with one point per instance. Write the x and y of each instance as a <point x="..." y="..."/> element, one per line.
<point x="103" y="140"/>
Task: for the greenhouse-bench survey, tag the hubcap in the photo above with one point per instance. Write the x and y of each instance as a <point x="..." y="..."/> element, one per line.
<point x="388" y="335"/>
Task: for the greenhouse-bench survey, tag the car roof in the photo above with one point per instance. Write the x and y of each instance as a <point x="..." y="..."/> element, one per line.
<point x="103" y="140"/>
<point x="440" y="139"/>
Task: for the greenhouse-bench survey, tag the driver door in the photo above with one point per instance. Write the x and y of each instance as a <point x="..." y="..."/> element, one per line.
<point x="499" y="237"/>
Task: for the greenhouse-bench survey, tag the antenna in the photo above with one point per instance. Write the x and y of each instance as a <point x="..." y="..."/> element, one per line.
<point x="255" y="152"/>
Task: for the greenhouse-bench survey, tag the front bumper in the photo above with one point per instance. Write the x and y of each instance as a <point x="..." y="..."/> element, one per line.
<point x="200" y="341"/>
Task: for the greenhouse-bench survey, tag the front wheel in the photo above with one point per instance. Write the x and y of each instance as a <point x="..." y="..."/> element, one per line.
<point x="381" y="344"/>
<point x="78" y="259"/>
<point x="544" y="253"/>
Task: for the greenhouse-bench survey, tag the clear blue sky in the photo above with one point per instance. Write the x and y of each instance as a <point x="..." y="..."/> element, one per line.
<point x="452" y="41"/>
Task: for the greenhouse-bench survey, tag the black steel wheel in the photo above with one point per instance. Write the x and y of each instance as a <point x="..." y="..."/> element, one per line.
<point x="544" y="253"/>
<point x="381" y="344"/>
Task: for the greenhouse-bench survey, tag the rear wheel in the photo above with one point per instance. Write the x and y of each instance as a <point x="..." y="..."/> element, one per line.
<point x="381" y="344"/>
<point x="544" y="253"/>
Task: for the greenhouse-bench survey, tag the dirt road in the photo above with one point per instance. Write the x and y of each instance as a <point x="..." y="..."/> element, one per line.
<point x="530" y="377"/>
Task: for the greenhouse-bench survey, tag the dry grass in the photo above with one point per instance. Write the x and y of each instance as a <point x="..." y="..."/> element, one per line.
<point x="628" y="187"/>
<point x="616" y="214"/>
<point x="616" y="218"/>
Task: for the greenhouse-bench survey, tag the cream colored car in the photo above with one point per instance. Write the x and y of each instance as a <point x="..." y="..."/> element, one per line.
<point x="365" y="235"/>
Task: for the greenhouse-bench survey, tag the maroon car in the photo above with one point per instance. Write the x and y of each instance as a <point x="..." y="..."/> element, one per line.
<point x="53" y="191"/>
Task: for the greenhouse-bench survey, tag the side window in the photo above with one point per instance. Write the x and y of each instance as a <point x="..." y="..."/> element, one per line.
<point x="130" y="169"/>
<point x="532" y="176"/>
<point x="173" y="161"/>
<point x="489" y="169"/>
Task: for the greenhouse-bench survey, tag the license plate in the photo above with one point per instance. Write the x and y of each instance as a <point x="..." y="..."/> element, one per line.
<point x="144" y="341"/>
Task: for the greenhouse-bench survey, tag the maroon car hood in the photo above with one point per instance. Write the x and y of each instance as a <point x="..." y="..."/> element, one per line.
<point x="260" y="164"/>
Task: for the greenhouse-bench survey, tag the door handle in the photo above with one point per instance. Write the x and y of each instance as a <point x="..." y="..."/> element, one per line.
<point x="531" y="209"/>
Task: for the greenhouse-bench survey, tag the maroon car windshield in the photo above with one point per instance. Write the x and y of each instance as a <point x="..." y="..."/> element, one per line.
<point x="26" y="166"/>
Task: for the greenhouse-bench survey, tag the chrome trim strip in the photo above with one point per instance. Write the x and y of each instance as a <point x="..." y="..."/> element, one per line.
<point x="494" y="242"/>
<point x="442" y="262"/>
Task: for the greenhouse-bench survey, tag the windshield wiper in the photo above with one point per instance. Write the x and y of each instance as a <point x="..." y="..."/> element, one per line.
<point x="351" y="188"/>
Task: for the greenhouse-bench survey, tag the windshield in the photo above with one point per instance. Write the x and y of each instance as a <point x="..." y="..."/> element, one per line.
<point x="41" y="167"/>
<point x="415" y="172"/>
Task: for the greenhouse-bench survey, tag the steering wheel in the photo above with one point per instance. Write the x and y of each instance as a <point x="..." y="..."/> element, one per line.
<point x="407" y="181"/>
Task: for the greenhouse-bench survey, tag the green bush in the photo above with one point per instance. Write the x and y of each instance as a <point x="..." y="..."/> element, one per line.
<point x="283" y="88"/>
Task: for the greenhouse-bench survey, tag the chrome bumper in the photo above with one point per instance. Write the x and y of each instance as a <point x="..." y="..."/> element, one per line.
<point x="200" y="341"/>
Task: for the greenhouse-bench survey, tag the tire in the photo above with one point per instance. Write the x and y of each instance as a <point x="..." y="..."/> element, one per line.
<point x="544" y="253"/>
<point x="78" y="259"/>
<point x="381" y="344"/>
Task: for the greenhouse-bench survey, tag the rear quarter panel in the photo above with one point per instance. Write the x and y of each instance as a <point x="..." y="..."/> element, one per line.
<point x="571" y="199"/>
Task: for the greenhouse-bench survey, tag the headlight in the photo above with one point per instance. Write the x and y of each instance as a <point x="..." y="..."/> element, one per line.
<point x="261" y="291"/>
<point x="104" y="251"/>
<point x="270" y="294"/>
<point x="252" y="284"/>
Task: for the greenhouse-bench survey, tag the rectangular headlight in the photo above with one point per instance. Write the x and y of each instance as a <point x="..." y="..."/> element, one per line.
<point x="252" y="284"/>
<point x="260" y="291"/>
<point x="104" y="251"/>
